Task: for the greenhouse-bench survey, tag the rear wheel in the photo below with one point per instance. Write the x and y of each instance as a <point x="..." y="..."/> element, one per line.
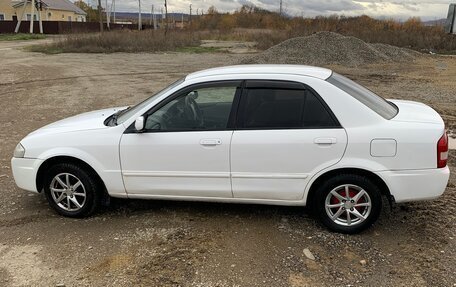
<point x="348" y="203"/>
<point x="71" y="191"/>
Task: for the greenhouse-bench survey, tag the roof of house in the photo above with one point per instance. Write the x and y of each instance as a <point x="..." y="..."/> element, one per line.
<point x="316" y="72"/>
<point x="64" y="5"/>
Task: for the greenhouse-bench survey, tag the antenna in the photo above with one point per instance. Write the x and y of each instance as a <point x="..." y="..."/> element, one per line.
<point x="281" y="8"/>
<point x="190" y="17"/>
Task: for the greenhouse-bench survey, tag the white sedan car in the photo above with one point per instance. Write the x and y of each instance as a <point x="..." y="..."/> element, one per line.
<point x="260" y="134"/>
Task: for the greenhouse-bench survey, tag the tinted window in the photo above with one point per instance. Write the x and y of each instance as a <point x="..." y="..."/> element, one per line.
<point x="365" y="96"/>
<point x="282" y="108"/>
<point x="205" y="108"/>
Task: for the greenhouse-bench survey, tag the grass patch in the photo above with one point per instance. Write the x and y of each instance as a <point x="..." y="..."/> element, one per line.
<point x="121" y="41"/>
<point x="45" y="49"/>
<point x="453" y="52"/>
<point x="199" y="50"/>
<point x="21" y="37"/>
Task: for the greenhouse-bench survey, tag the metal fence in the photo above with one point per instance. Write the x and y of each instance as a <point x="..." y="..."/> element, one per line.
<point x="60" y="27"/>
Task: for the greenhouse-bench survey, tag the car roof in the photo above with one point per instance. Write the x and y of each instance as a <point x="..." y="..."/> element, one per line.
<point x="301" y="70"/>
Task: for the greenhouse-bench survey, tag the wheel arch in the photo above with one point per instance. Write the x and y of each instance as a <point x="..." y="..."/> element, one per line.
<point x="65" y="159"/>
<point x="347" y="170"/>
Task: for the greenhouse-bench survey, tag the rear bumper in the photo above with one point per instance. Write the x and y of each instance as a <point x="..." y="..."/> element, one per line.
<point x="414" y="185"/>
<point x="24" y="172"/>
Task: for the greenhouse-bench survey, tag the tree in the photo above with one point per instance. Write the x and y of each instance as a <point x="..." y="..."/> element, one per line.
<point x="92" y="14"/>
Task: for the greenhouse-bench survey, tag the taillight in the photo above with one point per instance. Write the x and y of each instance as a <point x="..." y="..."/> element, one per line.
<point x="442" y="151"/>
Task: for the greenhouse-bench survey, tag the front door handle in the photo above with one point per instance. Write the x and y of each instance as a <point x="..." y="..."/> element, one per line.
<point x="325" y="141"/>
<point x="210" y="142"/>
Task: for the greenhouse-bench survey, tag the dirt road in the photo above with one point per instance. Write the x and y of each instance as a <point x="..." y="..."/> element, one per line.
<point x="154" y="243"/>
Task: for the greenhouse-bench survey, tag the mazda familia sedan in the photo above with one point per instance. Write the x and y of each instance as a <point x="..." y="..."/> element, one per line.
<point x="260" y="134"/>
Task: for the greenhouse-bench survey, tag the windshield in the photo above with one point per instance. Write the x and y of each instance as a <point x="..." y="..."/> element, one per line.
<point x="370" y="99"/>
<point x="126" y="114"/>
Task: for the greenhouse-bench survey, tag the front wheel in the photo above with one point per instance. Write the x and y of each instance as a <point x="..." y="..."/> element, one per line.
<point x="348" y="203"/>
<point x="71" y="190"/>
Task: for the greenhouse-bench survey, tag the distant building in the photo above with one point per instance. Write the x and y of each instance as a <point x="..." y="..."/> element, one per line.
<point x="6" y="10"/>
<point x="52" y="10"/>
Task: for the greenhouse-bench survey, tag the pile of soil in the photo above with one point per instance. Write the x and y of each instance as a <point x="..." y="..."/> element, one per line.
<point x="328" y="48"/>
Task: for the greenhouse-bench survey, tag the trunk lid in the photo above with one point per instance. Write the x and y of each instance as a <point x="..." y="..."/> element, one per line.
<point x="410" y="111"/>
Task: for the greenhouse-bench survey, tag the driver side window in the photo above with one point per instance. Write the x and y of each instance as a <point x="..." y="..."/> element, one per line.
<point x="200" y="109"/>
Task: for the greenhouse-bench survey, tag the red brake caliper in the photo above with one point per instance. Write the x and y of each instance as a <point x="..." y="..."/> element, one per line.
<point x="352" y="193"/>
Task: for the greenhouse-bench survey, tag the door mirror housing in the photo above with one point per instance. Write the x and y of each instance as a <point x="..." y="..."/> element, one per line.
<point x="139" y="124"/>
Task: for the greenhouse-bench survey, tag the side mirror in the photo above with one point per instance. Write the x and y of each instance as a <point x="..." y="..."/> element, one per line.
<point x="139" y="124"/>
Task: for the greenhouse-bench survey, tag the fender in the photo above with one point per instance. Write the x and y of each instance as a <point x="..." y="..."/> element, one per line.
<point x="112" y="177"/>
<point x="347" y="163"/>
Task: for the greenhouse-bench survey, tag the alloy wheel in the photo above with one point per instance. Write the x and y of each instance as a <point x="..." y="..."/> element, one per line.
<point x="348" y="205"/>
<point x="68" y="192"/>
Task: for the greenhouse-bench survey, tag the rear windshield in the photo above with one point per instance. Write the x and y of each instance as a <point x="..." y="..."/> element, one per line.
<point x="371" y="100"/>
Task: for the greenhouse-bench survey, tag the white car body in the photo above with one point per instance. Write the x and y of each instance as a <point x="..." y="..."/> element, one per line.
<point x="248" y="166"/>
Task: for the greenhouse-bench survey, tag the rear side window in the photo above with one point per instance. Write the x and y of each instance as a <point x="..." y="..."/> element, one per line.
<point x="368" y="98"/>
<point x="276" y="108"/>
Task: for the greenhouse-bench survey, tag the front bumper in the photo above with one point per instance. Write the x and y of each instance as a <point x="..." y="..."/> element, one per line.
<point x="24" y="172"/>
<point x="414" y="185"/>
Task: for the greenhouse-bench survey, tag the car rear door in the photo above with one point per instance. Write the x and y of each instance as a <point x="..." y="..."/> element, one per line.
<point x="284" y="134"/>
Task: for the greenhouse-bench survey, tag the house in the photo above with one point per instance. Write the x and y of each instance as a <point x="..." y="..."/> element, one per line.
<point x="6" y="10"/>
<point x="52" y="10"/>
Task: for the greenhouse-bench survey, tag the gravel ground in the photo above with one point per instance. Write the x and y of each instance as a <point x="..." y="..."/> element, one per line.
<point x="161" y="243"/>
<point x="324" y="48"/>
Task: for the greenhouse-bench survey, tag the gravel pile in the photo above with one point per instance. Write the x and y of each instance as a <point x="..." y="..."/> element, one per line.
<point x="327" y="48"/>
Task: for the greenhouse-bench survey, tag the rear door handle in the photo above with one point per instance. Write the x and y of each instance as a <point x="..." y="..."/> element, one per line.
<point x="210" y="142"/>
<point x="325" y="141"/>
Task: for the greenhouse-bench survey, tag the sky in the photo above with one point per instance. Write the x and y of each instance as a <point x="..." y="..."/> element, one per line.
<point x="397" y="9"/>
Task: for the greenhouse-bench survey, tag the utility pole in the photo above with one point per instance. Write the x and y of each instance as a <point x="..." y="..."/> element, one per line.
<point x="155" y="17"/>
<point x="40" y="7"/>
<point x="166" y="17"/>
<point x="100" y="15"/>
<point x="281" y="8"/>
<point x="32" y="13"/>
<point x="151" y="15"/>
<point x="190" y="17"/>
<point x="113" y="6"/>
<point x="182" y="27"/>
<point x="107" y="16"/>
<point x="139" y="17"/>
<point x="161" y="18"/>
<point x="22" y="17"/>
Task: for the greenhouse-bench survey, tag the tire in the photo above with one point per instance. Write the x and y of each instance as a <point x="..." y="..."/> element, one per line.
<point x="343" y="214"/>
<point x="80" y="199"/>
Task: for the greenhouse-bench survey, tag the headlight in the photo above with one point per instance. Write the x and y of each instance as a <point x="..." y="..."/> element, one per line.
<point x="19" y="151"/>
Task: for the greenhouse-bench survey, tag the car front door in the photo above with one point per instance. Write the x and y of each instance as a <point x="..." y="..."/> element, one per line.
<point x="285" y="133"/>
<point x="185" y="148"/>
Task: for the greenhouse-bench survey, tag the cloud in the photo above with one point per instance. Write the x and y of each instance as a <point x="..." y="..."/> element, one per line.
<point x="401" y="9"/>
